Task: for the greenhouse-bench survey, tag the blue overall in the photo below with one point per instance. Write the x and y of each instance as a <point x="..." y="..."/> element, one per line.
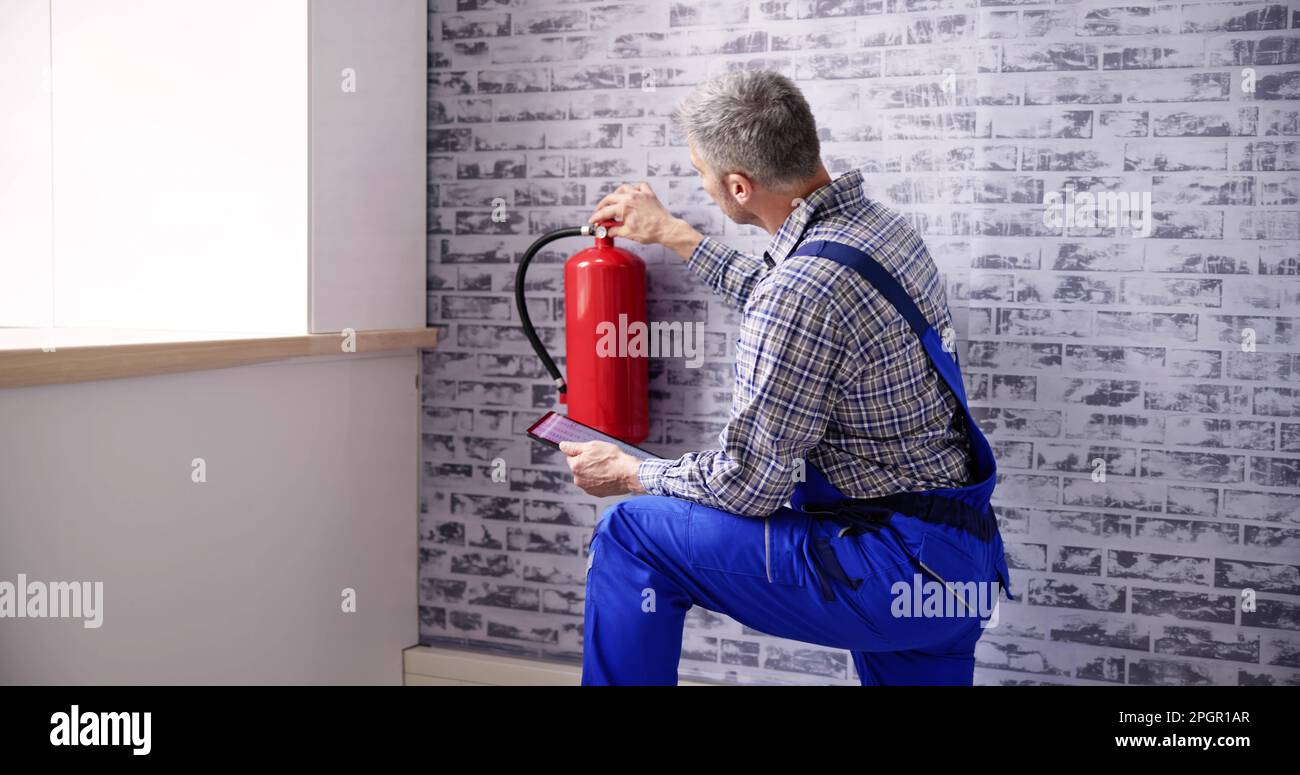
<point x="856" y="574"/>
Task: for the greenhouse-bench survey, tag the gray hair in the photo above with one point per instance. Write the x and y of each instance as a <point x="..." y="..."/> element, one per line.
<point x="753" y="122"/>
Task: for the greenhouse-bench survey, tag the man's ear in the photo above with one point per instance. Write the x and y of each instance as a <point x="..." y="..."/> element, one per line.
<point x="740" y="187"/>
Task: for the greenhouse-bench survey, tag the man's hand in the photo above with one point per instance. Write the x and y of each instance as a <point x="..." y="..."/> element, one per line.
<point x="602" y="469"/>
<point x="644" y="219"/>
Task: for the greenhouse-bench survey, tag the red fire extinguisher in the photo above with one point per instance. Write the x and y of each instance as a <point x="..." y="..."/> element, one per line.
<point x="604" y="295"/>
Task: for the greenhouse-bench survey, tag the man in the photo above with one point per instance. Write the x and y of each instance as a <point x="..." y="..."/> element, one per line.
<point x="845" y="406"/>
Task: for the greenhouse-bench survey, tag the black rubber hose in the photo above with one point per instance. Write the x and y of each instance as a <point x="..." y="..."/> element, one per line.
<point x="522" y="305"/>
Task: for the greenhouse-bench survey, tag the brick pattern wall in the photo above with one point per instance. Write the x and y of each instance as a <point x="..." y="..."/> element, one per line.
<point x="1080" y="343"/>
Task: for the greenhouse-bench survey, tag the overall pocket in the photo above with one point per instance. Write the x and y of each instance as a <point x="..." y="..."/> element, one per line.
<point x="962" y="568"/>
<point x="751" y="546"/>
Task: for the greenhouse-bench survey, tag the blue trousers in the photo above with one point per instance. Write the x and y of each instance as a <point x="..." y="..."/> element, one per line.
<point x="654" y="557"/>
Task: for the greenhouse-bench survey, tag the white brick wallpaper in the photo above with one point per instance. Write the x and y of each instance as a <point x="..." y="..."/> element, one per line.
<point x="1079" y="343"/>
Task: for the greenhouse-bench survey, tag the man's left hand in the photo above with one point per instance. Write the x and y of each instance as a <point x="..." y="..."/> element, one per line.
<point x="602" y="469"/>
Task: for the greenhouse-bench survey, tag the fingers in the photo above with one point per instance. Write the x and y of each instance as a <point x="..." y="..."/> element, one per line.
<point x="609" y="199"/>
<point x="617" y="204"/>
<point x="617" y="194"/>
<point x="613" y="212"/>
<point x="572" y="448"/>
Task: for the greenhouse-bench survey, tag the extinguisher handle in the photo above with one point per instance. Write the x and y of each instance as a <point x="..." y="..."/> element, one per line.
<point x="522" y="306"/>
<point x="600" y="229"/>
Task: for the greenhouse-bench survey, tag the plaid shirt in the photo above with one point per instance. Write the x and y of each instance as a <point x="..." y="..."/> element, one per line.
<point x="826" y="370"/>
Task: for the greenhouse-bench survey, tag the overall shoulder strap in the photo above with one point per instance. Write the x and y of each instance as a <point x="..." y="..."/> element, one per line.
<point x="967" y="506"/>
<point x="893" y="292"/>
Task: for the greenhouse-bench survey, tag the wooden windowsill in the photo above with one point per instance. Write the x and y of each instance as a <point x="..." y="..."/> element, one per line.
<point x="112" y="354"/>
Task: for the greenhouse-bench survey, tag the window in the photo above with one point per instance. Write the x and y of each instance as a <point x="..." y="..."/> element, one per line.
<point x="163" y="172"/>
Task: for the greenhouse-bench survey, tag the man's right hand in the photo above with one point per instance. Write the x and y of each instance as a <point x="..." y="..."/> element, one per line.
<point x="644" y="219"/>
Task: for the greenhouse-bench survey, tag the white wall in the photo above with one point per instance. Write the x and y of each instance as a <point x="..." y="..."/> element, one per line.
<point x="311" y="488"/>
<point x="367" y="163"/>
<point x="25" y="163"/>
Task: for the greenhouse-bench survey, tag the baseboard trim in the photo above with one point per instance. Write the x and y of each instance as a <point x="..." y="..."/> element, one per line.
<point x="430" y="666"/>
